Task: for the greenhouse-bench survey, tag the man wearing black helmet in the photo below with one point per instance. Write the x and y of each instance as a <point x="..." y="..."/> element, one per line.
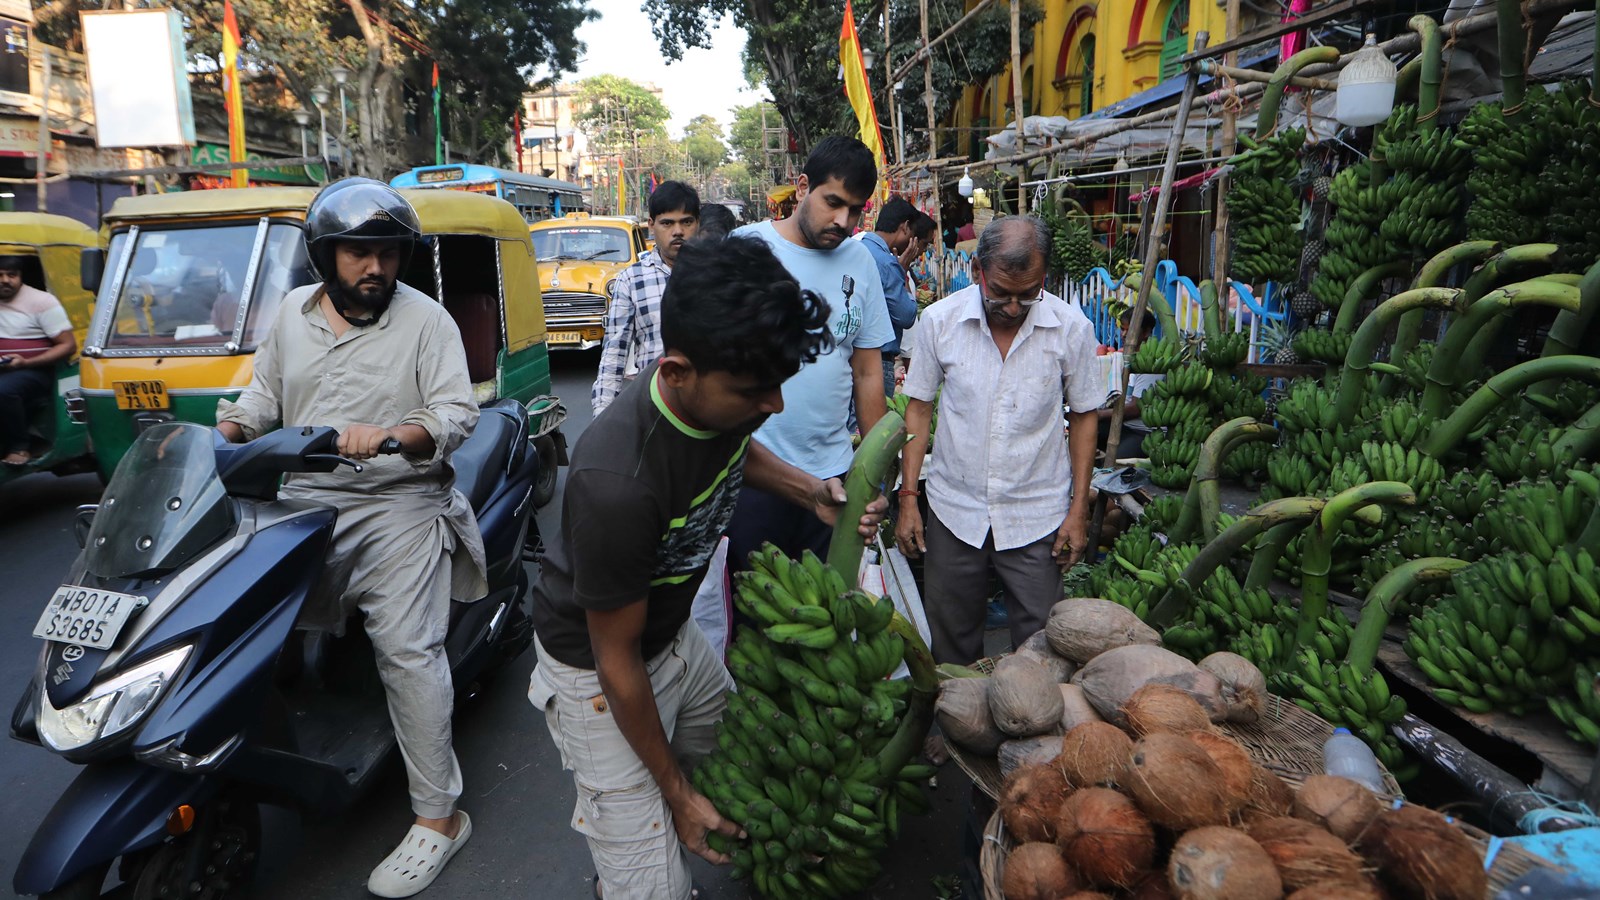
<point x="365" y="354"/>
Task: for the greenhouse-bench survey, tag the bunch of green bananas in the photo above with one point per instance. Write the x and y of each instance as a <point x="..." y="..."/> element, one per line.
<point x="1166" y="448"/>
<point x="1529" y="451"/>
<point x="1322" y="345"/>
<point x="1265" y="209"/>
<point x="1156" y="356"/>
<point x="1293" y="475"/>
<point x="1540" y="517"/>
<point x="1509" y="196"/>
<point x="1136" y="548"/>
<point x="1195" y="429"/>
<point x="797" y="763"/>
<point x="1266" y="644"/>
<point x="1308" y="406"/>
<point x="1162" y="512"/>
<point x="1437" y="533"/>
<point x="1362" y="703"/>
<point x="1237" y="396"/>
<point x="1342" y="572"/>
<point x="1186" y="380"/>
<point x="1324" y="449"/>
<point x="1403" y="422"/>
<point x="1160" y="408"/>
<point x="1572" y="175"/>
<point x="1424" y="196"/>
<point x="1415" y="364"/>
<point x="1580" y="710"/>
<point x="1073" y="249"/>
<point x="1248" y="461"/>
<point x="1227" y="350"/>
<point x="1354" y="237"/>
<point x="1393" y="462"/>
<point x="1466" y="493"/>
<point x="1572" y="401"/>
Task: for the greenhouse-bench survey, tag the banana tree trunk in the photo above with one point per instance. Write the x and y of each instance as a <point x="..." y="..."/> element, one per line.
<point x="1512" y="41"/>
<point x="862" y="485"/>
<point x="1158" y="304"/>
<point x="1362" y="289"/>
<point x="1202" y="504"/>
<point x="1467" y="417"/>
<point x="1368" y="336"/>
<point x="1382" y="600"/>
<point x="1445" y="372"/>
<point x="1568" y="331"/>
<point x="1432" y="75"/>
<point x="1433" y="274"/>
<point x="1317" y="561"/>
<point x="1267" y="122"/>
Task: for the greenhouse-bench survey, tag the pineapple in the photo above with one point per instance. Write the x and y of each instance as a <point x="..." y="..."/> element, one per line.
<point x="1277" y="344"/>
<point x="1304" y="306"/>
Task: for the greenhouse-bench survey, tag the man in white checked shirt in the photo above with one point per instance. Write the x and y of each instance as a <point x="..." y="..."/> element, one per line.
<point x="1004" y="487"/>
<point x="633" y="320"/>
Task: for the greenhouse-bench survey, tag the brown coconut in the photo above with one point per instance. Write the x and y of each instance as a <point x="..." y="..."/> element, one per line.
<point x="1030" y="800"/>
<point x="1238" y="769"/>
<point x="1420" y="854"/>
<point x="1023" y="698"/>
<point x="1087" y="895"/>
<point x="1082" y="628"/>
<point x="1305" y="854"/>
<point x="1105" y="838"/>
<point x="1216" y="863"/>
<point x="963" y="713"/>
<point x="1095" y="753"/>
<point x="1269" y="795"/>
<point x="1338" y="890"/>
<point x="1340" y="805"/>
<point x="1162" y="707"/>
<point x="1111" y="678"/>
<point x="1244" y="688"/>
<point x="1176" y="784"/>
<point x="1036" y="871"/>
<point x="1019" y="753"/>
<point x="1037" y="649"/>
<point x="1075" y="708"/>
<point x="1154" y="886"/>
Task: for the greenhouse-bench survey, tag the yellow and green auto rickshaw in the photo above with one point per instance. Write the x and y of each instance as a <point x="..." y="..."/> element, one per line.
<point x="193" y="281"/>
<point x="52" y="248"/>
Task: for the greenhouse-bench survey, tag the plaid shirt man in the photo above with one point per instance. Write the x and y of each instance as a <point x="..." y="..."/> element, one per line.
<point x="633" y="328"/>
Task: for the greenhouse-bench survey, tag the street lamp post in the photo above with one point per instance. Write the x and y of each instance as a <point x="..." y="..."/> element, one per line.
<point x="320" y="96"/>
<point x="340" y="76"/>
<point x="302" y="118"/>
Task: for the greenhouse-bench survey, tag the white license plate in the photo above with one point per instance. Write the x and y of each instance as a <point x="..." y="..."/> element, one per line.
<point x="566" y="337"/>
<point x="85" y="616"/>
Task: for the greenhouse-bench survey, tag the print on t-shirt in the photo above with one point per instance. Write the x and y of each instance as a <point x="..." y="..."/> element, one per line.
<point x="690" y="540"/>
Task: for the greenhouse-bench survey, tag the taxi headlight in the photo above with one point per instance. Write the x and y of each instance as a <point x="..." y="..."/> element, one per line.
<point x="112" y="705"/>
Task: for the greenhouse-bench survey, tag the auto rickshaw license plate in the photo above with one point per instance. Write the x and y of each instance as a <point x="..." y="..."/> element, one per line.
<point x="566" y="337"/>
<point x="141" y="394"/>
<point x="80" y="615"/>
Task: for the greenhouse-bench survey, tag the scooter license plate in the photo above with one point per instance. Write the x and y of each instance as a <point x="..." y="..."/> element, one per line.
<point x="85" y="616"/>
<point x="151" y="394"/>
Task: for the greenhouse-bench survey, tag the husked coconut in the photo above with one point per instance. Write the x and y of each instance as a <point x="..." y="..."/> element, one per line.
<point x="1019" y="753"/>
<point x="1111" y="678"/>
<point x="1036" y="871"/>
<point x="1087" y="895"/>
<point x="1269" y="795"/>
<point x="1238" y="769"/>
<point x="1037" y="648"/>
<point x="1153" y="886"/>
<point x="1305" y="854"/>
<point x="1162" y="707"/>
<point x="1081" y="628"/>
<point x="1216" y="863"/>
<point x="1244" y="688"/>
<point x="1023" y="698"/>
<point x="1340" y="805"/>
<point x="1338" y="890"/>
<point x="1419" y="853"/>
<point x="1030" y="801"/>
<point x="1176" y="784"/>
<point x="1094" y="753"/>
<point x="1105" y="838"/>
<point x="963" y="713"/>
<point x="1075" y="708"/>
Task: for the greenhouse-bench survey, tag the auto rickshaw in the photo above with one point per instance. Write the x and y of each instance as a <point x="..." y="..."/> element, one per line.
<point x="52" y="247"/>
<point x="194" y="280"/>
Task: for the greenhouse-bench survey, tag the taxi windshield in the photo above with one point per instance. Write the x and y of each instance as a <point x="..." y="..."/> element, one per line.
<point x="583" y="242"/>
<point x="183" y="286"/>
<point x="164" y="505"/>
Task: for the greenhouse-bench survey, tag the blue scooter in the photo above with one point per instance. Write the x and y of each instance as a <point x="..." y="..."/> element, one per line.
<point x="173" y="671"/>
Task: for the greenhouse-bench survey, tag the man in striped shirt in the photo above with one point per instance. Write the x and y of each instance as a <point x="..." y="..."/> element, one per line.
<point x="633" y="321"/>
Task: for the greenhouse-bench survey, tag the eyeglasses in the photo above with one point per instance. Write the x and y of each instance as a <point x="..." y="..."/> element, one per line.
<point x="983" y="289"/>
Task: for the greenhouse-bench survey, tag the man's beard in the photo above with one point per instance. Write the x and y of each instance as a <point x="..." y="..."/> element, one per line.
<point x="8" y="293"/>
<point x="372" y="295"/>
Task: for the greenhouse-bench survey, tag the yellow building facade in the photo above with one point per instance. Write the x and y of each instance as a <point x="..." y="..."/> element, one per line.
<point x="1088" y="54"/>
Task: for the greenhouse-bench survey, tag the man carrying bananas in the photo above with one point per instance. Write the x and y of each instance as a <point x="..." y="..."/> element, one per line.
<point x="627" y="682"/>
<point x="1005" y="488"/>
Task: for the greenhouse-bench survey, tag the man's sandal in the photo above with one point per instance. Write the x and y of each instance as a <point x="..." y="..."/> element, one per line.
<point x="417" y="861"/>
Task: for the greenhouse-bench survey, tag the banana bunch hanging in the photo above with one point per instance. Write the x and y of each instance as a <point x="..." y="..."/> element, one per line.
<point x="1265" y="209"/>
<point x="1424" y="195"/>
<point x="1510" y="196"/>
<point x="1572" y="175"/>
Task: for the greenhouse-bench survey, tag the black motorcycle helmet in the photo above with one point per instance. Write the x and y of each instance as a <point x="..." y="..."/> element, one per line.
<point x="357" y="209"/>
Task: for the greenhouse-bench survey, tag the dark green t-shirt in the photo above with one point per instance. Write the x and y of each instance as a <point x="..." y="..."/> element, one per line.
<point x="647" y="500"/>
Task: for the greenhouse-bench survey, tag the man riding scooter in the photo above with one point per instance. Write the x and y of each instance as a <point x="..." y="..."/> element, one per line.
<point x="380" y="361"/>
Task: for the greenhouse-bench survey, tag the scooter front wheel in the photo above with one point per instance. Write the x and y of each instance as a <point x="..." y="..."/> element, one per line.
<point x="85" y="887"/>
<point x="214" y="861"/>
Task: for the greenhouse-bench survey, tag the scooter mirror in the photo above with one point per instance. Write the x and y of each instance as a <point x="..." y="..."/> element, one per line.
<point x="82" y="522"/>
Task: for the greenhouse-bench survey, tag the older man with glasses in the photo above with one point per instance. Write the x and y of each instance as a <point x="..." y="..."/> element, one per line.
<point x="1005" y="487"/>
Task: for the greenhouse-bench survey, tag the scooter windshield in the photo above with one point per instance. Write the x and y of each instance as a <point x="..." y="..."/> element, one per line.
<point x="165" y="504"/>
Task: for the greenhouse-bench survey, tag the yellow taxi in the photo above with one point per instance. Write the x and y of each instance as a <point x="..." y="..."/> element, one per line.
<point x="579" y="257"/>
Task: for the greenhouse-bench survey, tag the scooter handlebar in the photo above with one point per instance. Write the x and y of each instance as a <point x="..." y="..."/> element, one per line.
<point x="389" y="446"/>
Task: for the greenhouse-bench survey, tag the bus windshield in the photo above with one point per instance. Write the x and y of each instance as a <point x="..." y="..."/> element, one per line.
<point x="583" y="242"/>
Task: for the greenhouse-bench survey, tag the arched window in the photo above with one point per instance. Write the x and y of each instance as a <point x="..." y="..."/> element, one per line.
<point x="1086" y="86"/>
<point x="1174" y="38"/>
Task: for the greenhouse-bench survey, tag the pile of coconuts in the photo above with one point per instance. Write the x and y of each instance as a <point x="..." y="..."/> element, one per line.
<point x="1119" y="783"/>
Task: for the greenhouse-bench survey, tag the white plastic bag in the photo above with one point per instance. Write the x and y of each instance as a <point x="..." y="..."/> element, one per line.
<point x="711" y="608"/>
<point x="885" y="572"/>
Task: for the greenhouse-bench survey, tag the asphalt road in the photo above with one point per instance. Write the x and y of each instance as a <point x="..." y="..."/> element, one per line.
<point x="519" y="797"/>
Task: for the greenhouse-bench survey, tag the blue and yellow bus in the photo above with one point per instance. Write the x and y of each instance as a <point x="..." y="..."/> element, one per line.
<point x="535" y="197"/>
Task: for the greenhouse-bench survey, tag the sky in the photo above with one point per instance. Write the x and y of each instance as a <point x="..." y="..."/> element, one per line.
<point x="709" y="82"/>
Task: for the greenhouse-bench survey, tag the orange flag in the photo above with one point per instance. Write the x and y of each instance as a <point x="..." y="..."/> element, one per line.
<point x="860" y="94"/>
<point x="232" y="97"/>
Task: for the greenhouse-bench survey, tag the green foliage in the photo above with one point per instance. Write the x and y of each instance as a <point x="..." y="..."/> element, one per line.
<point x="702" y="141"/>
<point x="617" y="111"/>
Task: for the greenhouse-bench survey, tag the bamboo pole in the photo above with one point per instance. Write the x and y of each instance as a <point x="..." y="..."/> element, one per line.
<point x="1230" y="142"/>
<point x="933" y="142"/>
<point x="41" y="173"/>
<point x="1016" y="96"/>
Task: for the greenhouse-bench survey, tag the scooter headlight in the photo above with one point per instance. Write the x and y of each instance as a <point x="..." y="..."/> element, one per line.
<point x="112" y="705"/>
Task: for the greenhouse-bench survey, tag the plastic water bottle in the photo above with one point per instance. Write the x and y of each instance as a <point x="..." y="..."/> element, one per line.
<point x="1348" y="756"/>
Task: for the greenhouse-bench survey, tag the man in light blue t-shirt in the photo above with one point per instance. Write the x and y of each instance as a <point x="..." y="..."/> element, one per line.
<point x="811" y="433"/>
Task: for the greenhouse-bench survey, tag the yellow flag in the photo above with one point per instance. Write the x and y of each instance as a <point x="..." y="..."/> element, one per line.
<point x="860" y="94"/>
<point x="622" y="189"/>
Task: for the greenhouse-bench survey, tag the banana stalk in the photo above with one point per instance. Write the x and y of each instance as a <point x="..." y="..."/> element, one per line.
<point x="1267" y="122"/>
<point x="1288" y="511"/>
<point x="1512" y="39"/>
<point x="1433" y="274"/>
<point x="1204" y="500"/>
<point x="1362" y="289"/>
<point x="1469" y="416"/>
<point x="1382" y="600"/>
<point x="1367" y="337"/>
<point x="913" y="730"/>
<point x="1316" y="558"/>
<point x="1580" y="441"/>
<point x="862" y="485"/>
<point x="1210" y="314"/>
<point x="1445" y="372"/>
<point x="1567" y="332"/>
<point x="1158" y="304"/>
<point x="1432" y="75"/>
<point x="1265" y="560"/>
<point x="1405" y="80"/>
<point x="1521" y="262"/>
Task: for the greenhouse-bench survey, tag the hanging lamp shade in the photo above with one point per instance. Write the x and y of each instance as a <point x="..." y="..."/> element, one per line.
<point x="1366" y="87"/>
<point x="964" y="186"/>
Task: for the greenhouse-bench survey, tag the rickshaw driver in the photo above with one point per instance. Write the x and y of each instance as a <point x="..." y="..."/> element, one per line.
<point x="359" y="348"/>
<point x="35" y="334"/>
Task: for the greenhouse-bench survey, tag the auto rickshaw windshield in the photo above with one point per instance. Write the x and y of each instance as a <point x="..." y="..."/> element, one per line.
<point x="183" y="286"/>
<point x="585" y="242"/>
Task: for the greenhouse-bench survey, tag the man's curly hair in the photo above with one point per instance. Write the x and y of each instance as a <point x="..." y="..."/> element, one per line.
<point x="731" y="306"/>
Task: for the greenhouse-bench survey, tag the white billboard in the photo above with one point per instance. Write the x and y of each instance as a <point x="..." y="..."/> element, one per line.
<point x="137" y="78"/>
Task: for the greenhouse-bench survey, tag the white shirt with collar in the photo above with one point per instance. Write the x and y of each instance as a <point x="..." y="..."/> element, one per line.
<point x="1002" y="463"/>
